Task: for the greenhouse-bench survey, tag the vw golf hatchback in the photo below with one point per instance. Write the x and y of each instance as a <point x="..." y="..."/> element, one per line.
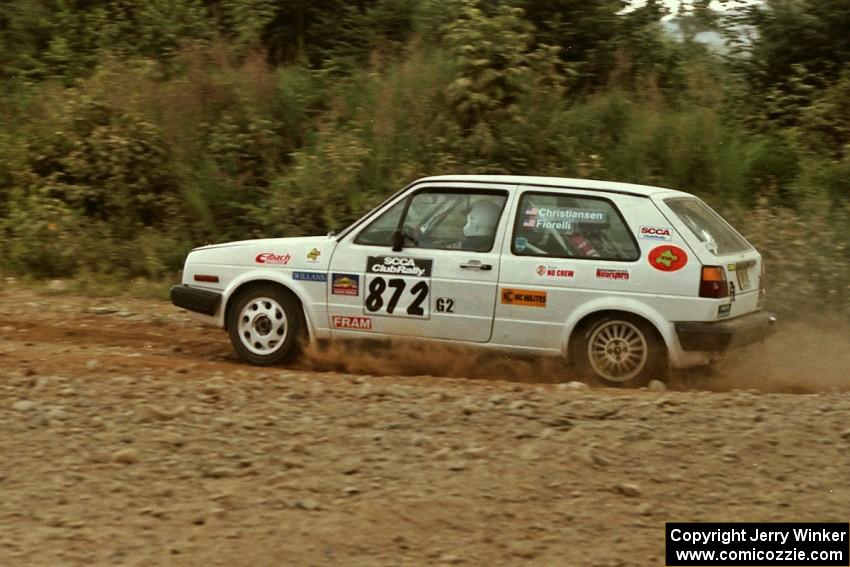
<point x="623" y="280"/>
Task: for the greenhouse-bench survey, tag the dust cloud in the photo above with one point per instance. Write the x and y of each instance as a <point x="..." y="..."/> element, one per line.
<point x="418" y="358"/>
<point x="804" y="356"/>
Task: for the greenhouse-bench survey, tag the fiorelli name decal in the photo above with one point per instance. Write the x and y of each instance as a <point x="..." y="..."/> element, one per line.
<point x="399" y="265"/>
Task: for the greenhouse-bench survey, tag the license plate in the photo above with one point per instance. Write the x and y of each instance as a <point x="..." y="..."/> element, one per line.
<point x="743" y="272"/>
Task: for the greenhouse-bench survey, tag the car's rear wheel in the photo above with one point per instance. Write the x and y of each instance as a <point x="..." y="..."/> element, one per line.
<point x="620" y="350"/>
<point x="264" y="322"/>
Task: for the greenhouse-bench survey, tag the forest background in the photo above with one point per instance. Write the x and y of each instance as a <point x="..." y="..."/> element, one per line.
<point x="134" y="130"/>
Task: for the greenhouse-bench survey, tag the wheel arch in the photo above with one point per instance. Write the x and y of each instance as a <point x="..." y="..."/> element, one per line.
<point x="580" y="319"/>
<point x="257" y="280"/>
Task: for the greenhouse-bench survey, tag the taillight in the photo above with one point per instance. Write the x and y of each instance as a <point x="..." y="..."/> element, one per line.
<point x="762" y="285"/>
<point x="713" y="283"/>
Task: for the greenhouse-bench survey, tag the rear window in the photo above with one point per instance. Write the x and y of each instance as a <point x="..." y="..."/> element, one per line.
<point x="715" y="233"/>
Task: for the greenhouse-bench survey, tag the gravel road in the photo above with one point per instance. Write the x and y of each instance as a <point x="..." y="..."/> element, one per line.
<point x="133" y="436"/>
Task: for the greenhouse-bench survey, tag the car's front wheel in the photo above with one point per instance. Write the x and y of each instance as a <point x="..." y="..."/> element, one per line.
<point x="263" y="323"/>
<point x="620" y="350"/>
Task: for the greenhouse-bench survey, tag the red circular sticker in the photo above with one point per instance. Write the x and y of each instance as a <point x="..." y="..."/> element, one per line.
<point x="668" y="258"/>
<point x="541" y="270"/>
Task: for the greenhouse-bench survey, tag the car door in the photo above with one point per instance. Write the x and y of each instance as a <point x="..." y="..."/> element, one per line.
<point x="440" y="283"/>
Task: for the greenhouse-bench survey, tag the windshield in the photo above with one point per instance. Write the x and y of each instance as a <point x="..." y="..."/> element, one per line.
<point x="715" y="233"/>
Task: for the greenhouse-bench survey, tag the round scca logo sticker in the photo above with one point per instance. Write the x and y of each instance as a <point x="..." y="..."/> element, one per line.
<point x="668" y="258"/>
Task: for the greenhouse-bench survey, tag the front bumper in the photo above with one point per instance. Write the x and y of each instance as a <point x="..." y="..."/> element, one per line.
<point x="201" y="301"/>
<point x="718" y="336"/>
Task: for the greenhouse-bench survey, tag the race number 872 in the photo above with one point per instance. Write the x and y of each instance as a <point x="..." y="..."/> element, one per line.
<point x="400" y="297"/>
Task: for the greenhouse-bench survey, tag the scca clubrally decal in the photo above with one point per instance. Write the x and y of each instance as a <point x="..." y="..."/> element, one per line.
<point x="399" y="266"/>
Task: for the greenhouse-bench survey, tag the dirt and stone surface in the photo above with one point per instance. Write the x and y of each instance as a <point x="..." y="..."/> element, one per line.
<point x="130" y="435"/>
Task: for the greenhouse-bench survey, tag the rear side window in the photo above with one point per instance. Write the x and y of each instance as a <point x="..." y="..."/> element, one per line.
<point x="715" y="233"/>
<point x="571" y="226"/>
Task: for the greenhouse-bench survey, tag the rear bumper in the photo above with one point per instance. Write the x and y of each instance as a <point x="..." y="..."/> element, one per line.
<point x="719" y="336"/>
<point x="201" y="301"/>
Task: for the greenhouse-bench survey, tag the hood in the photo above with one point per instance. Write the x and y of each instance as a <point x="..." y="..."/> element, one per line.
<point x="309" y="252"/>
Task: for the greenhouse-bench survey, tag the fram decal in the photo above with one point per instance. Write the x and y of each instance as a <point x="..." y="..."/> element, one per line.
<point x="359" y="323"/>
<point x="526" y="297"/>
<point x="612" y="274"/>
<point x="272" y="258"/>
<point x="550" y="272"/>
<point x="399" y="265"/>
<point x="345" y="284"/>
<point x="309" y="276"/>
<point x="668" y="258"/>
<point x="313" y="255"/>
<point x="655" y="233"/>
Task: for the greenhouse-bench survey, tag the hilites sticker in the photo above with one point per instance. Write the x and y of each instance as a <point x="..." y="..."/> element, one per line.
<point x="356" y="323"/>
<point x="399" y="265"/>
<point x="525" y="297"/>
<point x="655" y="233"/>
<point x="345" y="284"/>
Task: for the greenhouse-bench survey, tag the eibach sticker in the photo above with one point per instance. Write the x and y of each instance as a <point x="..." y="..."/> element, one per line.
<point x="356" y="323"/>
<point x="655" y="233"/>
<point x="668" y="258"/>
<point x="272" y="258"/>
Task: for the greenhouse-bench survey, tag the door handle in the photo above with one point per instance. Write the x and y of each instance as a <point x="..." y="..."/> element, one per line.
<point x="476" y="265"/>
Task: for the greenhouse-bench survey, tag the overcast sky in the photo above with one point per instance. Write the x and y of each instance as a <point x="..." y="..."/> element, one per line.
<point x="673" y="5"/>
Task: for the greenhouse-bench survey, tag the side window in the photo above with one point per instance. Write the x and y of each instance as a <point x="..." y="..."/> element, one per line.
<point x="440" y="220"/>
<point x="453" y="220"/>
<point x="380" y="231"/>
<point x="571" y="226"/>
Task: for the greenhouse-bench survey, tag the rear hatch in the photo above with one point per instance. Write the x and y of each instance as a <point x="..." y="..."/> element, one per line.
<point x="716" y="243"/>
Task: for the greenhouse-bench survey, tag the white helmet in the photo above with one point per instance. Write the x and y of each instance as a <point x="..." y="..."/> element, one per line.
<point x="481" y="219"/>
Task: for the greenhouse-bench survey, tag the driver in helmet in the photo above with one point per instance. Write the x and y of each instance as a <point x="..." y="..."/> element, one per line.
<point x="480" y="227"/>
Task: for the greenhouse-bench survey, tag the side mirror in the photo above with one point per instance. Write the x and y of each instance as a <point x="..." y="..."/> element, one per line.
<point x="398" y="241"/>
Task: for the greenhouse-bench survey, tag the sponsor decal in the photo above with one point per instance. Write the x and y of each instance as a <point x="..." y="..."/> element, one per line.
<point x="399" y="265"/>
<point x="668" y="258"/>
<point x="520" y="243"/>
<point x="612" y="274"/>
<point x="560" y="218"/>
<point x="550" y="272"/>
<point x="344" y="322"/>
<point x="309" y="276"/>
<point x="345" y="284"/>
<point x="272" y="258"/>
<point x="724" y="310"/>
<point x="313" y="255"/>
<point x="526" y="297"/>
<point x="655" y="233"/>
<point x="731" y="267"/>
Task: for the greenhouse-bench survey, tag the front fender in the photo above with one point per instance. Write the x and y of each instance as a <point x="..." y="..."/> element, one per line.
<point x="282" y="277"/>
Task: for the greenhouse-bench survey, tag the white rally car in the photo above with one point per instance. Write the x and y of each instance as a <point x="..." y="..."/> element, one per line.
<point x="624" y="280"/>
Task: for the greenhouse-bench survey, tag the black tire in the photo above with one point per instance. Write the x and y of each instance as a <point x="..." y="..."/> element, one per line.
<point x="620" y="350"/>
<point x="264" y="323"/>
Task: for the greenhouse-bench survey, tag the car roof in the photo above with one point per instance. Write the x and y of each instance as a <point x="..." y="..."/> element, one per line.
<point x="556" y="182"/>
